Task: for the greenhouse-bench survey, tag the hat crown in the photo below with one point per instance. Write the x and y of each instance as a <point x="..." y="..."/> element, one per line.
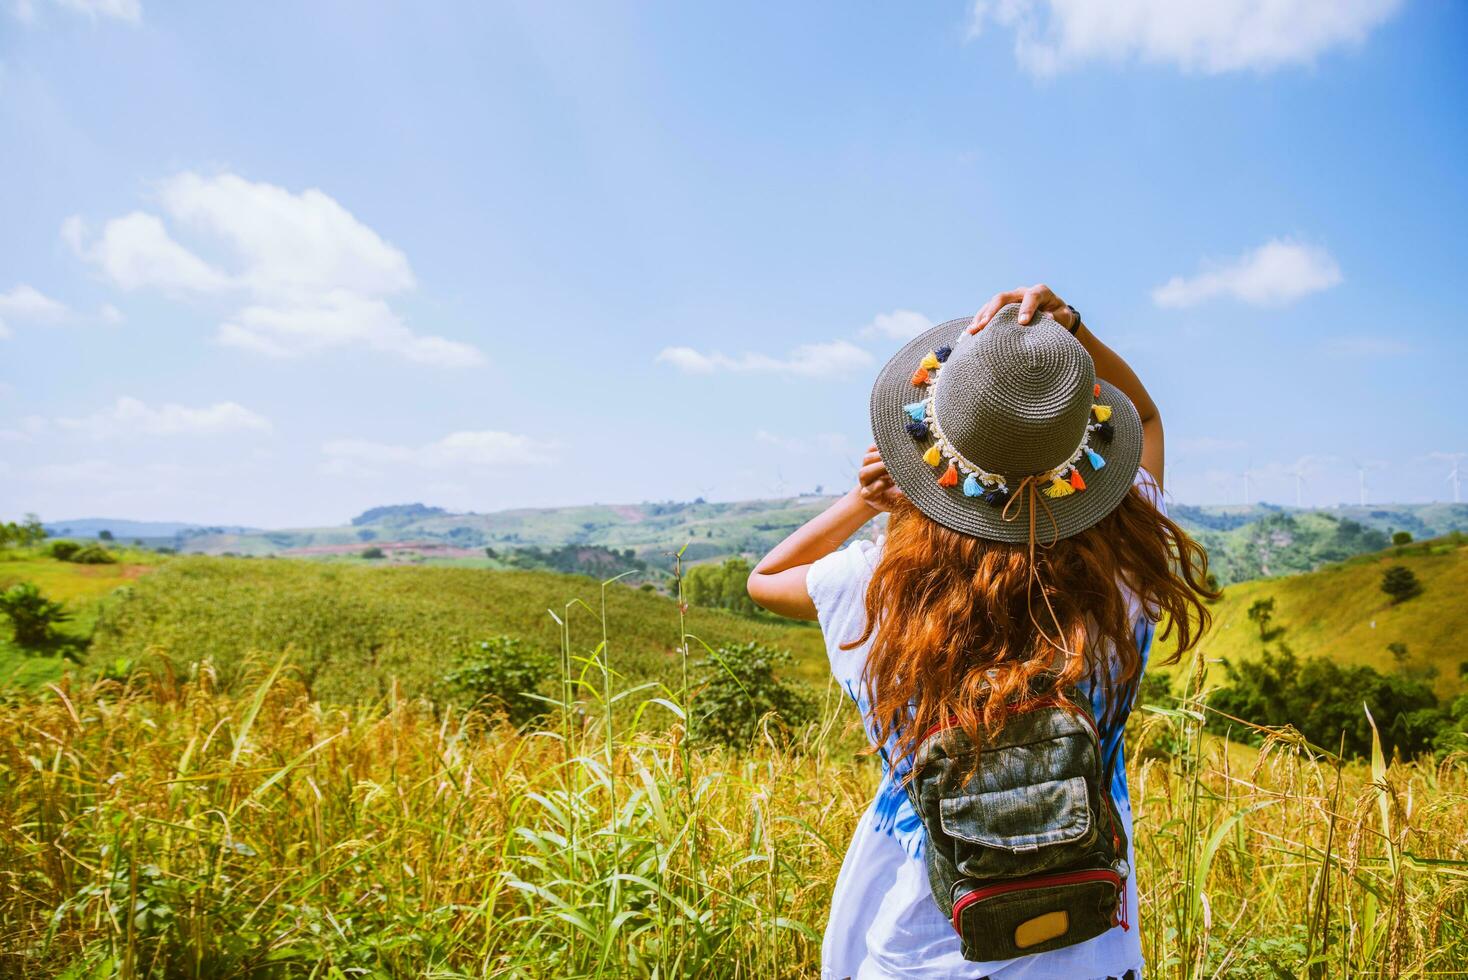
<point x="1016" y="399"/>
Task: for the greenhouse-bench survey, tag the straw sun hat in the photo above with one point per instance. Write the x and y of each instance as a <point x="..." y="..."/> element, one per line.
<point x="1005" y="434"/>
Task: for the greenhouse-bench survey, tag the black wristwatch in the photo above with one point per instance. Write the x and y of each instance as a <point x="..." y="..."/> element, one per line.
<point x="1075" y="328"/>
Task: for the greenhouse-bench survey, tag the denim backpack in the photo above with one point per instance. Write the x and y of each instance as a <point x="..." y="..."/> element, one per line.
<point x="1025" y="852"/>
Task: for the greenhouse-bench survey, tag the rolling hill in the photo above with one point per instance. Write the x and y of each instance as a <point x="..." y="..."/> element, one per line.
<point x="1339" y="611"/>
<point x="355" y="631"/>
<point x="1261" y="540"/>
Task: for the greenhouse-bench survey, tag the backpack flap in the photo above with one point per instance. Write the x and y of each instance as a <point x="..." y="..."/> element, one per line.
<point x="1023" y="830"/>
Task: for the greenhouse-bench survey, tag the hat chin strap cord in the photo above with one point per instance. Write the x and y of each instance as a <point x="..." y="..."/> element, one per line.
<point x="1029" y="489"/>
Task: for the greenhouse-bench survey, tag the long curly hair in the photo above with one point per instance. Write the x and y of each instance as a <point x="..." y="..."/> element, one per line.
<point x="964" y="631"/>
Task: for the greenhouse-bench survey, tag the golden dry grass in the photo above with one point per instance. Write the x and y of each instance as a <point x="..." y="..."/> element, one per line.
<point x="169" y="830"/>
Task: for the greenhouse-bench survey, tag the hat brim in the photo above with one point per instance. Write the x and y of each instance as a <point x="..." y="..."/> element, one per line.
<point x="918" y="481"/>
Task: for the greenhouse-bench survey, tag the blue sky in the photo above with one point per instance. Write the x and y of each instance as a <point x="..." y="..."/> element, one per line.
<point x="275" y="264"/>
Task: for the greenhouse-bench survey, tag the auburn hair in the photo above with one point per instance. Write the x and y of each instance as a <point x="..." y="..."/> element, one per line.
<point x="961" y="632"/>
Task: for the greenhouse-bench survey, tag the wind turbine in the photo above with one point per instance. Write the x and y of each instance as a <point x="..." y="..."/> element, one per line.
<point x="1453" y="479"/>
<point x="1299" y="474"/>
<point x="1361" y="470"/>
<point x="1247" y="495"/>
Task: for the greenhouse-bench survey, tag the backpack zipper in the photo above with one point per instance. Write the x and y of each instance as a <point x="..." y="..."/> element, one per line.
<point x="1067" y="878"/>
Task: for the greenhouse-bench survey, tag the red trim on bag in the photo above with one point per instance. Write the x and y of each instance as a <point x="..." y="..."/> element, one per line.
<point x="1068" y="878"/>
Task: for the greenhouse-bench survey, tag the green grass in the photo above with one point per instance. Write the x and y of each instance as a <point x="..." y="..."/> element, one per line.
<point x="355" y="631"/>
<point x="1340" y="612"/>
<point x="84" y="589"/>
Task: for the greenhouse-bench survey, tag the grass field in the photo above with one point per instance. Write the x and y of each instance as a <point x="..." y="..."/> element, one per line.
<point x="166" y="829"/>
<point x="1340" y="612"/>
<point x="355" y="631"/>
<point x="277" y="802"/>
<point x="84" y="589"/>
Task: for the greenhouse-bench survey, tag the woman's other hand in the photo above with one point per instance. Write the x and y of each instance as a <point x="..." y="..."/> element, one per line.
<point x="874" y="483"/>
<point x="1039" y="298"/>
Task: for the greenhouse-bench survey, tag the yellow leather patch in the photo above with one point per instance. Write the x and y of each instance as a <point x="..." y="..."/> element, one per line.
<point x="1033" y="932"/>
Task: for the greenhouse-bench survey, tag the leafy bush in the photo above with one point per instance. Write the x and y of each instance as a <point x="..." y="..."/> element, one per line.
<point x="1400" y="582"/>
<point x="93" y="555"/>
<point x="1401" y="538"/>
<point x="81" y="554"/>
<point x="33" y="617"/>
<point x="63" y="550"/>
<point x="720" y="586"/>
<point x="502" y="675"/>
<point x="740" y="687"/>
<point x="373" y="552"/>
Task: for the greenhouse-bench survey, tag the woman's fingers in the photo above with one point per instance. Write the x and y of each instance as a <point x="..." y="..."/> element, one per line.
<point x="1036" y="298"/>
<point x="872" y="472"/>
<point x="995" y="304"/>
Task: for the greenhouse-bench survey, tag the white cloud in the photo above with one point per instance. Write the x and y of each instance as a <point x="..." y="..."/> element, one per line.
<point x="289" y="244"/>
<point x="339" y="319"/>
<point x="899" y="324"/>
<point x="1216" y="36"/>
<point x="474" y="449"/>
<point x="136" y="252"/>
<point x="1368" y="346"/>
<point x="4" y="331"/>
<point x="129" y="10"/>
<point x="808" y="360"/>
<point x="27" y="302"/>
<point x="131" y="417"/>
<point x="110" y="314"/>
<point x="1279" y="271"/>
<point x="30" y="427"/>
<point x="318" y="277"/>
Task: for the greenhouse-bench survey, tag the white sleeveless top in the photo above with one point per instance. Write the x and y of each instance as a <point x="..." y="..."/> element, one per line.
<point x="884" y="922"/>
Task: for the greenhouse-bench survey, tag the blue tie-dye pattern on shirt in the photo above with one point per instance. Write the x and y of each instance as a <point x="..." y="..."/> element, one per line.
<point x="892" y="811"/>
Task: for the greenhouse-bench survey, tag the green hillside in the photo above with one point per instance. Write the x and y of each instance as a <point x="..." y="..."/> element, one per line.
<point x="354" y="630"/>
<point x="1340" y="612"/>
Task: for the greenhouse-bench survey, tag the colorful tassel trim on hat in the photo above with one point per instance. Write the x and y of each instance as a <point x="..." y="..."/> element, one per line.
<point x="1064" y="480"/>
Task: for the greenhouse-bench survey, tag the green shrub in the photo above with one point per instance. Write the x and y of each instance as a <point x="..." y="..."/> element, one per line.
<point x="1402" y="538"/>
<point x="740" y="688"/>
<point x="63" y="550"/>
<point x="93" y="555"/>
<point x="81" y="554"/>
<point x="33" y="617"/>
<point x="722" y="586"/>
<point x="502" y="675"/>
<point x="373" y="552"/>
<point x="1400" y="582"/>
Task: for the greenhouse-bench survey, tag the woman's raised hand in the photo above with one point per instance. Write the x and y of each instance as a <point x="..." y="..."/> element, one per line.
<point x="1039" y="298"/>
<point x="874" y="483"/>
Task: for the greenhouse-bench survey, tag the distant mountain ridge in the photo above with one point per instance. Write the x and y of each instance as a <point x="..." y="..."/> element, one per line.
<point x="1256" y="541"/>
<point x="121" y="528"/>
